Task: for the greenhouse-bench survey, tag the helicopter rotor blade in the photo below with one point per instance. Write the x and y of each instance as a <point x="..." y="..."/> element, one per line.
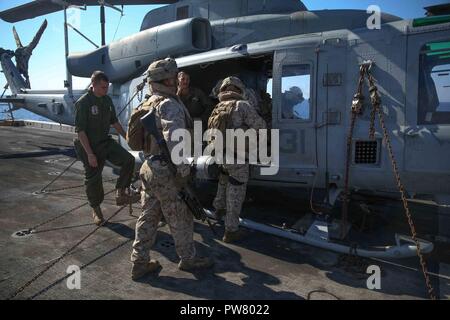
<point x="42" y="7"/>
<point x="38" y="36"/>
<point x="17" y="38"/>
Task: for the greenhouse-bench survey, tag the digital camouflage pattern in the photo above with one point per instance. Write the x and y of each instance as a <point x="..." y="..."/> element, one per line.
<point x="231" y="196"/>
<point x="233" y="182"/>
<point x="160" y="192"/>
<point x="159" y="198"/>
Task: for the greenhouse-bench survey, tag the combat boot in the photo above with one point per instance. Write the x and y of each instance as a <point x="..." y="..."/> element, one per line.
<point x="138" y="270"/>
<point x="123" y="199"/>
<point x="195" y="263"/>
<point x="232" y="236"/>
<point x="97" y="215"/>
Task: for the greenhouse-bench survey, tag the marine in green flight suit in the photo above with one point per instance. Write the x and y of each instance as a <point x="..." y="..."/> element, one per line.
<point x="95" y="114"/>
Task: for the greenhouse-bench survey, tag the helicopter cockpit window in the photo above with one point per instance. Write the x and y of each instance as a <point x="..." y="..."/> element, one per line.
<point x="295" y="92"/>
<point x="434" y="84"/>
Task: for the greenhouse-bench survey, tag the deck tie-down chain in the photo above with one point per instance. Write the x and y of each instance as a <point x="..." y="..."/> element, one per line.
<point x="45" y="190"/>
<point x="32" y="229"/>
<point x="356" y="110"/>
<point x="18" y="291"/>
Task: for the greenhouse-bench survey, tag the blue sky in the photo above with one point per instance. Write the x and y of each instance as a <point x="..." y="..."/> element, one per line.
<point x="47" y="67"/>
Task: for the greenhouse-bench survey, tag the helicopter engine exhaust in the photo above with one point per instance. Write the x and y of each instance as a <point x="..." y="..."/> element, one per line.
<point x="126" y="58"/>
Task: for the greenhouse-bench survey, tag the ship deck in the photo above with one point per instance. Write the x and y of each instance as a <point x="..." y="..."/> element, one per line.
<point x="261" y="266"/>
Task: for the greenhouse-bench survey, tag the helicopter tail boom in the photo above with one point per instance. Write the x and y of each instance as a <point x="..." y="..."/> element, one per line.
<point x="11" y="73"/>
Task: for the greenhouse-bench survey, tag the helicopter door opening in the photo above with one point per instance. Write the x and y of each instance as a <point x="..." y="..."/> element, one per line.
<point x="293" y="114"/>
<point x="427" y="135"/>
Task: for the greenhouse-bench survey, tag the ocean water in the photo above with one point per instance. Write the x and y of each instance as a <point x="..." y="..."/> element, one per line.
<point x="20" y="114"/>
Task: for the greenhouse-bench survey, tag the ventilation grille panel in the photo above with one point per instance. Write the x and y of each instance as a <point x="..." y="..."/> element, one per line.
<point x="366" y="152"/>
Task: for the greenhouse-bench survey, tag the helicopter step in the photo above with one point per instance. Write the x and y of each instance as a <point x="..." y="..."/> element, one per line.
<point x="318" y="235"/>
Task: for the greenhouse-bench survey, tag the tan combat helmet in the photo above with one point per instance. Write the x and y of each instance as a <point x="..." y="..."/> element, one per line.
<point x="162" y="69"/>
<point x="232" y="81"/>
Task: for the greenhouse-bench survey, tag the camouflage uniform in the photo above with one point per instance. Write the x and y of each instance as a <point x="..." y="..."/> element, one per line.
<point x="160" y="191"/>
<point x="233" y="182"/>
<point x="262" y="104"/>
<point x="159" y="195"/>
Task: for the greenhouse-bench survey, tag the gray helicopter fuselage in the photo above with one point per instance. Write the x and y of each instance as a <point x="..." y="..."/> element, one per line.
<point x="326" y="63"/>
<point x="124" y="59"/>
<point x="313" y="150"/>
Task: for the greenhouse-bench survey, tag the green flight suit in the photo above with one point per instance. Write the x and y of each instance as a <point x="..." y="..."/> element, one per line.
<point x="199" y="105"/>
<point x="95" y="116"/>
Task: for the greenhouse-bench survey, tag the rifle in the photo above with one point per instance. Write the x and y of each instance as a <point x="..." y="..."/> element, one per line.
<point x="187" y="193"/>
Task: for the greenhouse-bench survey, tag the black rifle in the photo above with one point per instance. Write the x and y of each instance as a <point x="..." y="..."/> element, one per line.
<point x="187" y="193"/>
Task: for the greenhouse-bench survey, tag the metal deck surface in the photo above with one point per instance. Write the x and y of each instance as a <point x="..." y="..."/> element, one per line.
<point x="259" y="267"/>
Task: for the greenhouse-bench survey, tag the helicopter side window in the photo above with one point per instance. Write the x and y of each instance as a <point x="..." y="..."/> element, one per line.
<point x="295" y="88"/>
<point x="434" y="84"/>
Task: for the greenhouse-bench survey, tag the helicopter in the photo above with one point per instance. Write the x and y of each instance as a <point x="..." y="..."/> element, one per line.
<point x="273" y="46"/>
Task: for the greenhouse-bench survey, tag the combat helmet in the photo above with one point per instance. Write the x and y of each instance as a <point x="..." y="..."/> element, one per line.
<point x="232" y="81"/>
<point x="162" y="69"/>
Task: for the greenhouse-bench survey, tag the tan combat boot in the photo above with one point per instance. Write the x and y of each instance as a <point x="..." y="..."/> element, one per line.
<point x="232" y="236"/>
<point x="122" y="198"/>
<point x="138" y="270"/>
<point x="97" y="215"/>
<point x="196" y="263"/>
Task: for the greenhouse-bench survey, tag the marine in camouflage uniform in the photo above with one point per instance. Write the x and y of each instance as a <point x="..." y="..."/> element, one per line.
<point x="160" y="187"/>
<point x="95" y="114"/>
<point x="262" y="104"/>
<point x="233" y="181"/>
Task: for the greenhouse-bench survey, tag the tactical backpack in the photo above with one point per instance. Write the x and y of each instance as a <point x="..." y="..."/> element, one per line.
<point x="137" y="138"/>
<point x="221" y="116"/>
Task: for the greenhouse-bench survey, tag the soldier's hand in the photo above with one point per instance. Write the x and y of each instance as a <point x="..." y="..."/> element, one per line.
<point x="92" y="159"/>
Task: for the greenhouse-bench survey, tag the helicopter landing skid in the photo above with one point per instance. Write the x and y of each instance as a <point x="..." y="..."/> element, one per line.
<point x="318" y="236"/>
